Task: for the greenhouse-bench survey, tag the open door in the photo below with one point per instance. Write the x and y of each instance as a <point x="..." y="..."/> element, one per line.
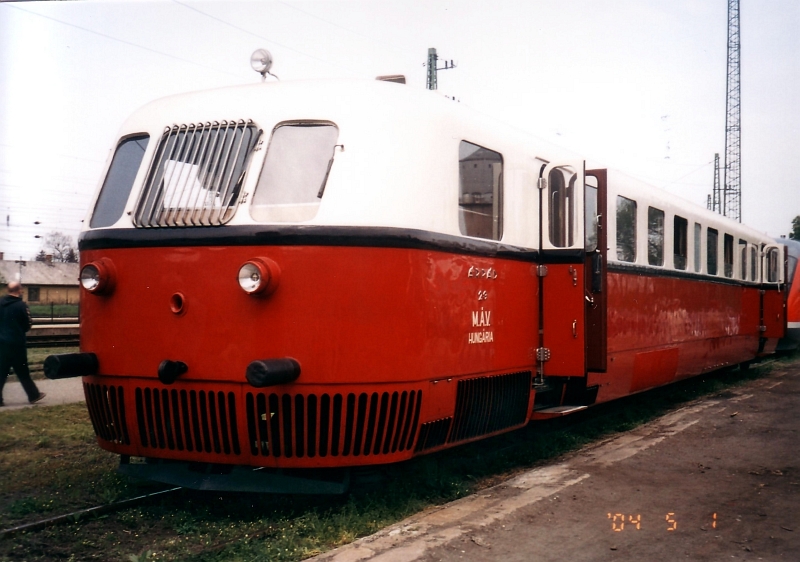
<point x="596" y="247"/>
<point x="562" y="347"/>
<point x="773" y="291"/>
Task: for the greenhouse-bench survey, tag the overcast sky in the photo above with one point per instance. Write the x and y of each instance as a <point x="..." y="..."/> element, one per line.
<point x="635" y="85"/>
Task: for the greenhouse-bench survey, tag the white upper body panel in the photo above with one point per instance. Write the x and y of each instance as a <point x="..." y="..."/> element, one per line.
<point x="397" y="161"/>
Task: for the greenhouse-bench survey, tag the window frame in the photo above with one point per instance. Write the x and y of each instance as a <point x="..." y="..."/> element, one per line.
<point x="476" y="228"/>
<point x="698" y="247"/>
<point x="117" y="200"/>
<point x="728" y="255"/>
<point x="292" y="211"/>
<point x="631" y="247"/>
<point x="712" y="251"/>
<point x="680" y="242"/>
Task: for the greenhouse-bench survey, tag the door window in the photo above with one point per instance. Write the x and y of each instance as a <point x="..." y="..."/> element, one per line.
<point x="591" y="219"/>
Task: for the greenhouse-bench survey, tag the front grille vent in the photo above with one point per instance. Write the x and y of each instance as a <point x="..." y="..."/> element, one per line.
<point x="106" y="406"/>
<point x="433" y="434"/>
<point x="488" y="404"/>
<point x="286" y="425"/>
<point x="196" y="175"/>
<point x="187" y="420"/>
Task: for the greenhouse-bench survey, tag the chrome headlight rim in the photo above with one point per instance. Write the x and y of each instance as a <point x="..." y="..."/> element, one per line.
<point x="258" y="276"/>
<point x="98" y="277"/>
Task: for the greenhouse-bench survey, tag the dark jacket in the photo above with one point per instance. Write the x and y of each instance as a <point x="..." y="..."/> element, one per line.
<point x="15" y="320"/>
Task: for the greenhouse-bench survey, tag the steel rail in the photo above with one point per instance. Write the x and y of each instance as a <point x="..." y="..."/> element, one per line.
<point x="81" y="514"/>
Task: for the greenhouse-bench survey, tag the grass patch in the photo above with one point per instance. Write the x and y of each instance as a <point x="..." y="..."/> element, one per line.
<point x="50" y="462"/>
<point x="37" y="355"/>
<point x="56" y="310"/>
<point x="51" y="465"/>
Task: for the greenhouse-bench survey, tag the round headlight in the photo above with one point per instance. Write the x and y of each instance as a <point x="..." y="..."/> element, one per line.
<point x="259" y="276"/>
<point x="251" y="278"/>
<point x="90" y="277"/>
<point x="98" y="277"/>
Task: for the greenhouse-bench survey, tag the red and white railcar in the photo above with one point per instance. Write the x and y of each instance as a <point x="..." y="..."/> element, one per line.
<point x="332" y="274"/>
<point x="792" y="339"/>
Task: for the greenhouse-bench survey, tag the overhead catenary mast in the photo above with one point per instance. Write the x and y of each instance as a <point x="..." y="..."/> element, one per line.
<point x="732" y="190"/>
<point x="433" y="58"/>
<point x="726" y="195"/>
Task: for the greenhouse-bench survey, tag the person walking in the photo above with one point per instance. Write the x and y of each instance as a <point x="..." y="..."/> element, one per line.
<point x="15" y="320"/>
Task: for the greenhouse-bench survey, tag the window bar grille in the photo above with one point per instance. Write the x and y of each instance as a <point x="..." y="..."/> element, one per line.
<point x="174" y="215"/>
<point x="203" y="154"/>
<point x="207" y="142"/>
<point x="210" y="164"/>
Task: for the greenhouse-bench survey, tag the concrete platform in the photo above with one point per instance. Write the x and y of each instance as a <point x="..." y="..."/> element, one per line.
<point x="716" y="480"/>
<point x="62" y="391"/>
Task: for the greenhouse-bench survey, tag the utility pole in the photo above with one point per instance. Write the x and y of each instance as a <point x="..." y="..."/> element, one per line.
<point x="732" y="192"/>
<point x="716" y="198"/>
<point x="433" y="58"/>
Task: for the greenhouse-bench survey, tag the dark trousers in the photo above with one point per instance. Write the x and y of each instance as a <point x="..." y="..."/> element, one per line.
<point x="16" y="356"/>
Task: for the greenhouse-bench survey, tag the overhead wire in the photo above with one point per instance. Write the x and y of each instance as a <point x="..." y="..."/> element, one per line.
<point x="124" y="41"/>
<point x="243" y="30"/>
<point x="288" y="5"/>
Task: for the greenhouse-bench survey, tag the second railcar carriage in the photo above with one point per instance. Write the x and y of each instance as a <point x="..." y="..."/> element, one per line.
<point x="329" y="274"/>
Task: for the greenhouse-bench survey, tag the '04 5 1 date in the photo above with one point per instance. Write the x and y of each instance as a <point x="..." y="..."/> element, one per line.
<point x="621" y="522"/>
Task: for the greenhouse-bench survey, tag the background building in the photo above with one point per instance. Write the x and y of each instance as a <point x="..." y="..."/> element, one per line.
<point x="43" y="282"/>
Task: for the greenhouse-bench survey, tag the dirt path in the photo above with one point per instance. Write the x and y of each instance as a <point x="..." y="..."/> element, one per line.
<point x="718" y="479"/>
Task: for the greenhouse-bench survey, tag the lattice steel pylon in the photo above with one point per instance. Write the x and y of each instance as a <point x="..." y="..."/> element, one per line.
<point x="715" y="201"/>
<point x="732" y="190"/>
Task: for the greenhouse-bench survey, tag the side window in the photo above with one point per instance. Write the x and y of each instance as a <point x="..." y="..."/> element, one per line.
<point x="626" y="229"/>
<point x="119" y="181"/>
<point x="743" y="256"/>
<point x="753" y="263"/>
<point x="711" y="251"/>
<point x="728" y="254"/>
<point x="698" y="234"/>
<point x="792" y="268"/>
<point x="655" y="236"/>
<point x="33" y="293"/>
<point x="680" y="227"/>
<point x="299" y="159"/>
<point x="480" y="197"/>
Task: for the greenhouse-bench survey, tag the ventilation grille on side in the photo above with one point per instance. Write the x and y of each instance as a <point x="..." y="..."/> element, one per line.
<point x="286" y="425"/>
<point x="187" y="420"/>
<point x="488" y="404"/>
<point x="106" y="406"/>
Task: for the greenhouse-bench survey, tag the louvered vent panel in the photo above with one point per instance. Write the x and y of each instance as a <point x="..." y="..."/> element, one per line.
<point x="433" y="434"/>
<point x="106" y="406"/>
<point x="187" y="420"/>
<point x="286" y="425"/>
<point x="196" y="175"/>
<point x="488" y="404"/>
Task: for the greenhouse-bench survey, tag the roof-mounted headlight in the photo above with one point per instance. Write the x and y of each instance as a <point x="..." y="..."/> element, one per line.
<point x="259" y="276"/>
<point x="98" y="277"/>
